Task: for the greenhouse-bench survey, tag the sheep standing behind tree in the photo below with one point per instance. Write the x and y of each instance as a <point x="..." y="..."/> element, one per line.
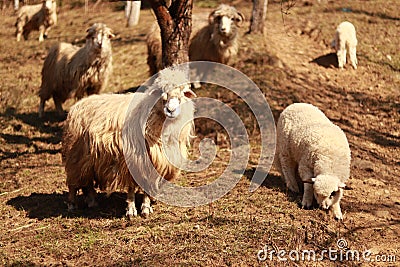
<point x="346" y="41"/>
<point x="217" y="41"/>
<point x="93" y="143"/>
<point x="39" y="17"/>
<point x="69" y="70"/>
<point x="310" y="145"/>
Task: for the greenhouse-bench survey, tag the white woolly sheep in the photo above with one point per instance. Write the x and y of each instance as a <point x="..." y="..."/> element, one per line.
<point x="69" y="70"/>
<point x="92" y="146"/>
<point x="39" y="17"/>
<point x="346" y="41"/>
<point x="218" y="41"/>
<point x="310" y="145"/>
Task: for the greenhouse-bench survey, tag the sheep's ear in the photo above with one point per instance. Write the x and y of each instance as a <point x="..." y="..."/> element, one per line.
<point x="189" y="93"/>
<point x="211" y="17"/>
<point x="342" y="185"/>
<point x="239" y="19"/>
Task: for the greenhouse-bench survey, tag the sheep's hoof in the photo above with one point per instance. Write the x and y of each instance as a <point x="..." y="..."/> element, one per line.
<point x="146" y="210"/>
<point x="306" y="204"/>
<point x="130" y="214"/>
<point x="338" y="216"/>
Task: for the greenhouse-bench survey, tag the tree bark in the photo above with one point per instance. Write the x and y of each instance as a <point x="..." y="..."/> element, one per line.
<point x="258" y="16"/>
<point x="175" y="21"/>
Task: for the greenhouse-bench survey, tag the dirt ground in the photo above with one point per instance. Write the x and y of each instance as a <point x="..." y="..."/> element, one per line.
<point x="293" y="62"/>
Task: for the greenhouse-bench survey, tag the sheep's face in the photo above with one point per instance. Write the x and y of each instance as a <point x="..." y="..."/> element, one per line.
<point x="99" y="37"/>
<point x="173" y="98"/>
<point x="48" y="4"/>
<point x="225" y="19"/>
<point x="328" y="190"/>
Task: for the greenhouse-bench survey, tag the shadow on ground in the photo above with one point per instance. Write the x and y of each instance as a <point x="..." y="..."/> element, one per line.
<point x="42" y="206"/>
<point x="327" y="61"/>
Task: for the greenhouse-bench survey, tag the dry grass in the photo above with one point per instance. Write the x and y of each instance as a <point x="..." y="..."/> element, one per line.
<point x="37" y="229"/>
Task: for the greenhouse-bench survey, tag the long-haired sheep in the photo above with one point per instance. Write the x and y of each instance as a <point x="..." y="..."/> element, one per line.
<point x="217" y="41"/>
<point x="310" y="145"/>
<point x="93" y="138"/>
<point x="69" y="70"/>
<point x="39" y="17"/>
<point x="346" y="41"/>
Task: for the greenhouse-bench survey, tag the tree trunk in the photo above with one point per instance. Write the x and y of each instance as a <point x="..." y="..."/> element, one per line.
<point x="132" y="12"/>
<point x="258" y="16"/>
<point x="175" y="21"/>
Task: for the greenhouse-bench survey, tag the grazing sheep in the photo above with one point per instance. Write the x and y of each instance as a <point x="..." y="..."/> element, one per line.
<point x="69" y="69"/>
<point x="346" y="41"/>
<point x="39" y="17"/>
<point x="217" y="41"/>
<point x="93" y="138"/>
<point x="310" y="144"/>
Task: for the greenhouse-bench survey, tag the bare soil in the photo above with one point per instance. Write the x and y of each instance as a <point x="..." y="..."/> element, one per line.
<point x="292" y="62"/>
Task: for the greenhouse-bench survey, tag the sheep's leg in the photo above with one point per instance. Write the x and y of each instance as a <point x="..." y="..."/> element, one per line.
<point x="41" y="33"/>
<point x="46" y="32"/>
<point x="337" y="212"/>
<point x="353" y="56"/>
<point x="59" y="108"/>
<point x="288" y="172"/>
<point x="341" y="55"/>
<point x="41" y="107"/>
<point x="308" y="196"/>
<point x="131" y="208"/>
<point x="146" y="208"/>
<point x="90" y="196"/>
<point x="306" y="174"/>
<point x="72" y="197"/>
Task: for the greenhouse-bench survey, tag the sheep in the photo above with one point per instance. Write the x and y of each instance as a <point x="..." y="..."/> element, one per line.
<point x="309" y="143"/>
<point x="39" y="17"/>
<point x="217" y="41"/>
<point x="69" y="70"/>
<point x="92" y="148"/>
<point x="345" y="41"/>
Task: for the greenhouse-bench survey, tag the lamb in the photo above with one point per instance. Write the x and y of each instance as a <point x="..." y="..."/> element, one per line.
<point x="218" y="41"/>
<point x="309" y="143"/>
<point x="92" y="148"/>
<point x="346" y="41"/>
<point x="39" y="17"/>
<point x="69" y="70"/>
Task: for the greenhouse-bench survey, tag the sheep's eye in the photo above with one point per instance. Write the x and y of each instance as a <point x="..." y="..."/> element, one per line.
<point x="333" y="194"/>
<point x="218" y="18"/>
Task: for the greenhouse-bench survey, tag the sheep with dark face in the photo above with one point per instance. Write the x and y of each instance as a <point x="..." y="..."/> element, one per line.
<point x="72" y="71"/>
<point x="93" y="147"/>
<point x="39" y="17"/>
